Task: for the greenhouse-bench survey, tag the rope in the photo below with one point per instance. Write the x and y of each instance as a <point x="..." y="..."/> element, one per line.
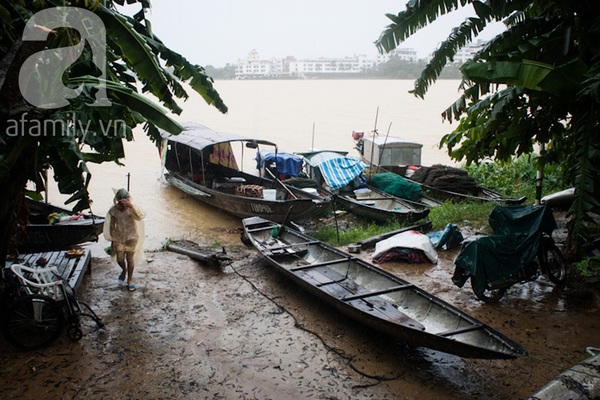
<point x="338" y="352"/>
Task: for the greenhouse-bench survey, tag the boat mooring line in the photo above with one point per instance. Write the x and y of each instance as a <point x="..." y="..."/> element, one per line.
<point x="562" y="368"/>
<point x="338" y="352"/>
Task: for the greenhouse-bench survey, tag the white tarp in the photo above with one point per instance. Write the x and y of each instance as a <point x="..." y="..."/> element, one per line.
<point x="407" y="240"/>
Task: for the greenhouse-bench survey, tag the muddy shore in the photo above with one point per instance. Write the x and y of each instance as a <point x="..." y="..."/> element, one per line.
<point x="241" y="331"/>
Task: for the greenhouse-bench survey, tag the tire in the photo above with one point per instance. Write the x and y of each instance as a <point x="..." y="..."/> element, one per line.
<point x="33" y="322"/>
<point x="488" y="295"/>
<point x="554" y="264"/>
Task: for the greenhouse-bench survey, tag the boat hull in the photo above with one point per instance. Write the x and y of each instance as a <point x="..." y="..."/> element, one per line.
<point x="382" y="207"/>
<point x="243" y="207"/>
<point x="375" y="297"/>
<point x="580" y="382"/>
<point x="41" y="237"/>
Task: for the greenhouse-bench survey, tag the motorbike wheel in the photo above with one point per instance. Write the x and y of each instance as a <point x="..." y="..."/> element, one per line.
<point x="554" y="264"/>
<point x="488" y="295"/>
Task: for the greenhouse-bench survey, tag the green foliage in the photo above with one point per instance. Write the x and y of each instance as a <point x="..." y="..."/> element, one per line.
<point x="589" y="266"/>
<point x="536" y="83"/>
<point x="227" y="72"/>
<point x="517" y="177"/>
<point x="65" y="139"/>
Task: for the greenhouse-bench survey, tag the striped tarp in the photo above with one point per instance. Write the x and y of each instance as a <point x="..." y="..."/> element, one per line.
<point x="340" y="171"/>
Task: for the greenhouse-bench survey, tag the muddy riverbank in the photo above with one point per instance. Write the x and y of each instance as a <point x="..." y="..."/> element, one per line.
<point x="241" y="331"/>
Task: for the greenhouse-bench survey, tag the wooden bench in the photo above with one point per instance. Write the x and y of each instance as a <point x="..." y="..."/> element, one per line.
<point x="71" y="268"/>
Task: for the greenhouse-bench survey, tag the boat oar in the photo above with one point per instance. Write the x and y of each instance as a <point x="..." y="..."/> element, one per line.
<point x="279" y="228"/>
<point x="281" y="183"/>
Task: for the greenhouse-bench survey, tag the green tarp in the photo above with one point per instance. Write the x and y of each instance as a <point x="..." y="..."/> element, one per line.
<point x="396" y="185"/>
<point x="496" y="258"/>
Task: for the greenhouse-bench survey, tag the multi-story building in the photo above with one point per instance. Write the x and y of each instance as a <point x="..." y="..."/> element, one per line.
<point x="405" y="54"/>
<point x="467" y="51"/>
<point x="253" y="67"/>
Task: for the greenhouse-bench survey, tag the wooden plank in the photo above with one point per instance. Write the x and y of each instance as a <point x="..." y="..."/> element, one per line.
<point x="286" y="246"/>
<point x="378" y="307"/>
<point x="321" y="264"/>
<point x="377" y="292"/>
<point x="386" y="311"/>
<point x="465" y="329"/>
<point x="53" y="257"/>
<point x="68" y="266"/>
<point x="63" y="266"/>
<point x="70" y="269"/>
<point x="321" y="278"/>
<point x="80" y="269"/>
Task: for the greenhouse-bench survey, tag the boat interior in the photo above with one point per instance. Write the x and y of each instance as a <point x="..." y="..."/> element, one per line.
<point x="358" y="284"/>
<point x="218" y="170"/>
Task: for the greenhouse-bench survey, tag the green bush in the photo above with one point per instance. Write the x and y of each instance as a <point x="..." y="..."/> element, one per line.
<point x="517" y="177"/>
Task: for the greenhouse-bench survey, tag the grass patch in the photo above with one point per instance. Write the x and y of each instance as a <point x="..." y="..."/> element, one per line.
<point x="472" y="213"/>
<point x="352" y="234"/>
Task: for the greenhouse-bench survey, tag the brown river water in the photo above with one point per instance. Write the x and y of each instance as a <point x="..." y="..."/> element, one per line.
<point x="244" y="332"/>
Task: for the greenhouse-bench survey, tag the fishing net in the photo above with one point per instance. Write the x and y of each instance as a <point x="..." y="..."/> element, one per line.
<point x="446" y="178"/>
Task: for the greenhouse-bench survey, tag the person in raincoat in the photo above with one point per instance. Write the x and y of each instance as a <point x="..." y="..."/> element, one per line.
<point x="124" y="228"/>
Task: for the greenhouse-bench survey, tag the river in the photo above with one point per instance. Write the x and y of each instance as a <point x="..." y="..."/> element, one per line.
<point x="295" y="114"/>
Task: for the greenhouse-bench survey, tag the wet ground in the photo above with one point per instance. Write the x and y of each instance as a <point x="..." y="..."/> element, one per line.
<point x="241" y="331"/>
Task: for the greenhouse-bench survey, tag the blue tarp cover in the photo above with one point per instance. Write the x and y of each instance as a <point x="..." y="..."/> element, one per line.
<point x="340" y="171"/>
<point x="287" y="163"/>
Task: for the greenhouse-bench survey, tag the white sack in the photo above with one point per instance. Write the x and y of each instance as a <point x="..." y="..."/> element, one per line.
<point x="407" y="240"/>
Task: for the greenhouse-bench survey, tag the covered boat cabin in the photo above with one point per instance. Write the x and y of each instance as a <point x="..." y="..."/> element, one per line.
<point x="210" y="158"/>
<point x="391" y="153"/>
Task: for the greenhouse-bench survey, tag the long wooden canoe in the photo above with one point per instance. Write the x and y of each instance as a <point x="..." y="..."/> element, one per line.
<point x="375" y="297"/>
<point x="382" y="207"/>
<point x="580" y="382"/>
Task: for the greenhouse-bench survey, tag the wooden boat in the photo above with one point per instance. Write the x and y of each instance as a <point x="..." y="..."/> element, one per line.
<point x="367" y="202"/>
<point x="375" y="297"/>
<point x="580" y="382"/>
<point x="482" y="194"/>
<point x="388" y="153"/>
<point x="373" y="204"/>
<point x="203" y="164"/>
<point x="64" y="231"/>
<point x="393" y="154"/>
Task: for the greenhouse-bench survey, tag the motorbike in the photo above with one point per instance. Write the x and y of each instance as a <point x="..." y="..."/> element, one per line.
<point x="520" y="250"/>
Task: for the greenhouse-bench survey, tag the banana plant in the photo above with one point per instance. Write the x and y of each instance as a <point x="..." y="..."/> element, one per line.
<point x="534" y="83"/>
<point x="36" y="137"/>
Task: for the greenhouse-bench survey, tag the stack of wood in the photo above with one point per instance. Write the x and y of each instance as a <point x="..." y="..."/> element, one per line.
<point x="446" y="178"/>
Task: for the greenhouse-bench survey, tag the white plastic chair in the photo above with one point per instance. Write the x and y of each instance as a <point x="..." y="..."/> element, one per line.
<point x="44" y="280"/>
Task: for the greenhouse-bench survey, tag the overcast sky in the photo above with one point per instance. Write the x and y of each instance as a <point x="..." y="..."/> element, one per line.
<point x="217" y="32"/>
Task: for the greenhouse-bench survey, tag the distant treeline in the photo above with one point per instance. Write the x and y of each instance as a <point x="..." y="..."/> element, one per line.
<point x="392" y="69"/>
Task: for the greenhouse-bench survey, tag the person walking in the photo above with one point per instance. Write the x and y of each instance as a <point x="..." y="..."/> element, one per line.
<point x="124" y="228"/>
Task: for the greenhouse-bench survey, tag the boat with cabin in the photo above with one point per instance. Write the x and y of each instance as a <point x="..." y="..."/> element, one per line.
<point x="203" y="163"/>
